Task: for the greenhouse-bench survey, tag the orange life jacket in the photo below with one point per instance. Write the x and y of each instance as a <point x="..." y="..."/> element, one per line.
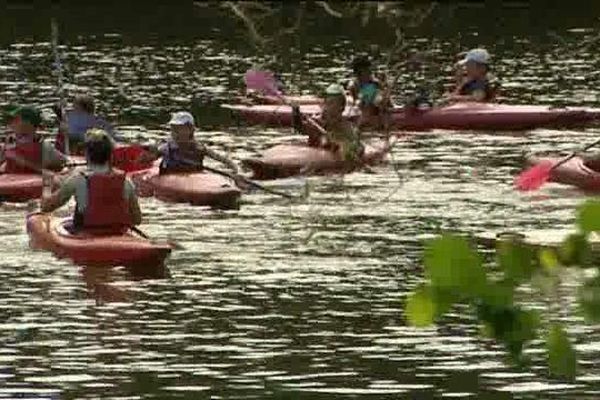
<point x="107" y="210"/>
<point x="31" y="152"/>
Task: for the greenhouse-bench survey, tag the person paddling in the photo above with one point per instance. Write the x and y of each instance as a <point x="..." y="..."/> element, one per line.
<point x="182" y="153"/>
<point x="473" y="79"/>
<point x="29" y="152"/>
<point x="340" y="135"/>
<point x="80" y="119"/>
<point x="106" y="202"/>
<point x="369" y="93"/>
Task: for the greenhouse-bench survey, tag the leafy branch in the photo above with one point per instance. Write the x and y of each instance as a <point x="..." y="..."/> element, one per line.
<point x="455" y="273"/>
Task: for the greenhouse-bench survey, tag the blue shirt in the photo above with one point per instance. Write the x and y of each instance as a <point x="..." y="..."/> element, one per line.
<point x="80" y="122"/>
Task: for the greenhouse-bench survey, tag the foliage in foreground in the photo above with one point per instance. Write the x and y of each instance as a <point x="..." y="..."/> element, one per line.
<point x="455" y="273"/>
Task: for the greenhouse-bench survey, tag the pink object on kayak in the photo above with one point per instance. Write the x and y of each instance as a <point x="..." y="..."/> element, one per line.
<point x="576" y="172"/>
<point x="533" y="178"/>
<point x="262" y="81"/>
<point x="124" y="157"/>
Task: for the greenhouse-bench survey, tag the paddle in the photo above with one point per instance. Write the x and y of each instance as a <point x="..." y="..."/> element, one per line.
<point x="264" y="81"/>
<point x="244" y="179"/>
<point x="60" y="111"/>
<point x="534" y="177"/>
<point x="251" y="183"/>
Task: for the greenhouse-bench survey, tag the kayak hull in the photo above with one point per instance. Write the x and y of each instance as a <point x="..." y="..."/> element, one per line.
<point x="575" y="172"/>
<point x="302" y="99"/>
<point x="48" y="233"/>
<point x="20" y="187"/>
<point x="287" y="160"/>
<point x="196" y="188"/>
<point x="460" y="116"/>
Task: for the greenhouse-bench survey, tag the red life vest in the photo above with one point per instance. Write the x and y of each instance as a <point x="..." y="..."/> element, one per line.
<point x="107" y="210"/>
<point x="31" y="152"/>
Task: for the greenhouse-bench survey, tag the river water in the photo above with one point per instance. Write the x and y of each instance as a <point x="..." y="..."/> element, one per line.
<point x="286" y="300"/>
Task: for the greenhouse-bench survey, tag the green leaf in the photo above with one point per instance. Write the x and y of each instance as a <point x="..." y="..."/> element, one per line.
<point x="516" y="259"/>
<point x="589" y="300"/>
<point x="562" y="359"/>
<point x="420" y="307"/>
<point x="575" y="250"/>
<point x="548" y="260"/>
<point x="498" y="294"/>
<point x="509" y="325"/>
<point x="453" y="266"/>
<point x="588" y="216"/>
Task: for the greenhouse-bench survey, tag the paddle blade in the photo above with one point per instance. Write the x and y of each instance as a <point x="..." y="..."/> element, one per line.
<point x="534" y="177"/>
<point x="125" y="158"/>
<point x="262" y="81"/>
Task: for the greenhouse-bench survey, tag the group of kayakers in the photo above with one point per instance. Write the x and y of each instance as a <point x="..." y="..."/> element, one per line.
<point x="372" y="97"/>
<point x="106" y="199"/>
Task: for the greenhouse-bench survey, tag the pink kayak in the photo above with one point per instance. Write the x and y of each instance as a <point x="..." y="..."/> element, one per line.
<point x="197" y="188"/>
<point x="460" y="116"/>
<point x="299" y="159"/>
<point x="301" y="99"/>
<point x="575" y="172"/>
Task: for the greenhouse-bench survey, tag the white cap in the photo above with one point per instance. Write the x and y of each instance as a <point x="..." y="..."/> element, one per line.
<point x="480" y="56"/>
<point x="182" y="118"/>
<point x="335" y="89"/>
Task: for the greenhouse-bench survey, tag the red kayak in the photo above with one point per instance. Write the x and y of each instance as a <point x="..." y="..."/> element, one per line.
<point x="197" y="188"/>
<point x="460" y="116"/>
<point x="20" y="187"/>
<point x="49" y="233"/>
<point x="575" y="172"/>
<point x="299" y="159"/>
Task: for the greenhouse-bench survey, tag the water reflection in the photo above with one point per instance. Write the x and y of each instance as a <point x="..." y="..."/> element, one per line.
<point x="280" y="300"/>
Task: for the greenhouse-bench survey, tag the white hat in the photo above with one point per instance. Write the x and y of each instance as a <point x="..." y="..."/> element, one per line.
<point x="335" y="89"/>
<point x="480" y="56"/>
<point x="181" y="118"/>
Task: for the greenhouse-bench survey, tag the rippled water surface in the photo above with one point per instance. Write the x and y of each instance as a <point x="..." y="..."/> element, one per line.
<point x="284" y="300"/>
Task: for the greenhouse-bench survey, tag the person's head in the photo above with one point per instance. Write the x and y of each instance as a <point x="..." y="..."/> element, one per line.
<point x="182" y="126"/>
<point x="334" y="102"/>
<point x="98" y="147"/>
<point x="85" y="103"/>
<point x="476" y="63"/>
<point x="361" y="67"/>
<point x="24" y="120"/>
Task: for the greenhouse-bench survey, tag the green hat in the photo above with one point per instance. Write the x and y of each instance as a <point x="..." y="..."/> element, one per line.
<point x="27" y="113"/>
<point x="335" y="89"/>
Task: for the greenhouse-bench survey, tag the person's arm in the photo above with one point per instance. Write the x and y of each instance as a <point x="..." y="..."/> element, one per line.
<point x="52" y="158"/>
<point x="218" y="157"/>
<point x="61" y="196"/>
<point x="134" y="206"/>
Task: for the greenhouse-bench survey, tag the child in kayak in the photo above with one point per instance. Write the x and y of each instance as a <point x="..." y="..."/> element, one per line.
<point x="181" y="153"/>
<point x="28" y="153"/>
<point x="340" y="135"/>
<point x="80" y="119"/>
<point x="370" y="93"/>
<point x="475" y="84"/>
<point x="105" y="199"/>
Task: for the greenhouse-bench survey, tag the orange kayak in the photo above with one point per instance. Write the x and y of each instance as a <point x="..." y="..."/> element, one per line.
<point x="299" y="159"/>
<point x="197" y="188"/>
<point x="49" y="233"/>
